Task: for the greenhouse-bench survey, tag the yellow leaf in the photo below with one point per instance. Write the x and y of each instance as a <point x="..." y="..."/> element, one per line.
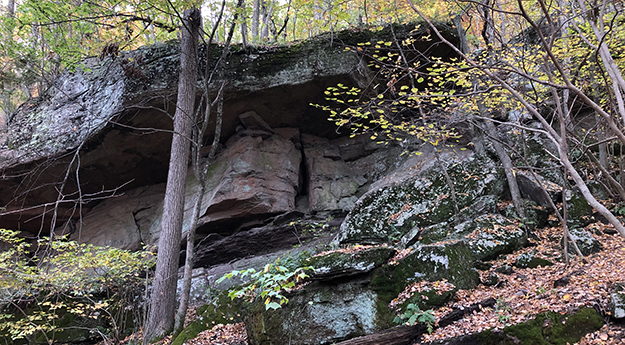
<point x="566" y="297"/>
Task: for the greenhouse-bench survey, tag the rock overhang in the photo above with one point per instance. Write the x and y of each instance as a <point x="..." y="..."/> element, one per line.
<point x="117" y="111"/>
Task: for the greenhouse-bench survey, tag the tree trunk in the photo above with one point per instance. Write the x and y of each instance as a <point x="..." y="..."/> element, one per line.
<point x="202" y="171"/>
<point x="188" y="265"/>
<point x="508" y="167"/>
<point x="255" y="20"/>
<point x="11" y="8"/>
<point x="163" y="297"/>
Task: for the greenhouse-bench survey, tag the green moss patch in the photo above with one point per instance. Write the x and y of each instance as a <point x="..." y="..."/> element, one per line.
<point x="452" y="261"/>
<point x="546" y="329"/>
<point x="391" y="212"/>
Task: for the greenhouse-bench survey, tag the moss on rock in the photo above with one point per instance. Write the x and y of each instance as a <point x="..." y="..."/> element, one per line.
<point x="529" y="260"/>
<point x="392" y="211"/>
<point x="545" y="329"/>
<point x="339" y="264"/>
<point x="487" y="236"/>
<point x="585" y="241"/>
<point x="322" y="313"/>
<point x="579" y="211"/>
<point x="452" y="261"/>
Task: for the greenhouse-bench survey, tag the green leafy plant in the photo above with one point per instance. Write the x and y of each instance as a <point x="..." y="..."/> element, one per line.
<point x="503" y="311"/>
<point x="619" y="208"/>
<point x="41" y="294"/>
<point x="414" y="314"/>
<point x="269" y="283"/>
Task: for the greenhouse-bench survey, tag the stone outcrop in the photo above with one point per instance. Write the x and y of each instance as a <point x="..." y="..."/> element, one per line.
<point x="116" y="113"/>
<point x="285" y="183"/>
<point x="418" y="195"/>
<point x="487" y="235"/>
<point x="350" y="294"/>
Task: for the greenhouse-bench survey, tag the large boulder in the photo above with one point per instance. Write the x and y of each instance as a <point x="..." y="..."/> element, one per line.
<point x="323" y="313"/>
<point x="418" y="195"/>
<point x="351" y="293"/>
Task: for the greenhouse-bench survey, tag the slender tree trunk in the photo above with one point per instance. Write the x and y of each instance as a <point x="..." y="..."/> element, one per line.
<point x="255" y="20"/>
<point x="462" y="37"/>
<point x="11" y="8"/>
<point x="266" y="13"/>
<point x="163" y="297"/>
<point x="202" y="171"/>
<point x="188" y="265"/>
<point x="244" y="34"/>
<point x="565" y="223"/>
<point x="508" y="167"/>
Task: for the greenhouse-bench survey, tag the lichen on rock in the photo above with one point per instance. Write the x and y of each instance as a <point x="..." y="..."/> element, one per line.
<point x="421" y="199"/>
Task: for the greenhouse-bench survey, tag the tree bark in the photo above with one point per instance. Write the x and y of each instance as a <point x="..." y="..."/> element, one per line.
<point x="163" y="297"/>
<point x="508" y="167"/>
<point x="201" y="171"/>
<point x="11" y="8"/>
<point x="255" y="20"/>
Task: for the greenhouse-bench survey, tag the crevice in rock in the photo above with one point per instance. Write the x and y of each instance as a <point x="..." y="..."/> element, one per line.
<point x="304" y="174"/>
<point x="302" y="196"/>
<point x="134" y="217"/>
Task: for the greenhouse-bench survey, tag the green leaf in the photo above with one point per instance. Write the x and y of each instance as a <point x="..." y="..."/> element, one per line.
<point x="272" y="305"/>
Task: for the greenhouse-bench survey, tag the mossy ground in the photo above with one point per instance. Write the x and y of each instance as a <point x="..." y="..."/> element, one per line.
<point x="546" y="329"/>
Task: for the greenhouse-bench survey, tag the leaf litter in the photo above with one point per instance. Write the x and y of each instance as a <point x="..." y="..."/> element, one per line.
<point x="527" y="292"/>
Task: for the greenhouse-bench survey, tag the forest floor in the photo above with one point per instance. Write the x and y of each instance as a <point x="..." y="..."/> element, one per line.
<point x="525" y="293"/>
<point x="521" y="294"/>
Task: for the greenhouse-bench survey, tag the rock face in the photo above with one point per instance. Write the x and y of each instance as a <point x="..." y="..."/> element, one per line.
<point x="332" y="184"/>
<point x="337" y="311"/>
<point x="418" y="195"/>
<point x="487" y="235"/>
<point x="252" y="177"/>
<point x="617" y="301"/>
<point x="123" y="222"/>
<point x="351" y="291"/>
<point x="284" y="184"/>
<point x="115" y="113"/>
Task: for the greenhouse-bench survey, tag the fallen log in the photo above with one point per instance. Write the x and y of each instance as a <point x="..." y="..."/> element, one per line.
<point x="406" y="335"/>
